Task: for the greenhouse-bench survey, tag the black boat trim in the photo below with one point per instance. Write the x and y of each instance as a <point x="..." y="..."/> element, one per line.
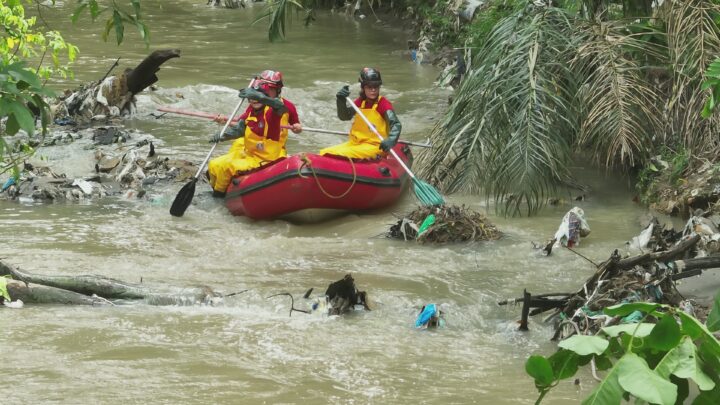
<point x="306" y="172"/>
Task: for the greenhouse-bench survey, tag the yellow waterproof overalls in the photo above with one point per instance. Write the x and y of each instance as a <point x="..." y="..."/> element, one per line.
<point x="363" y="143"/>
<point x="249" y="152"/>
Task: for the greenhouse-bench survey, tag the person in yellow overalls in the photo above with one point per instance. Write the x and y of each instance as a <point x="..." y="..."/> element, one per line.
<point x="362" y="142"/>
<point x="260" y="136"/>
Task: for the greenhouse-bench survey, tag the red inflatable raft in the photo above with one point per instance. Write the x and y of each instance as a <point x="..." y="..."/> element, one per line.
<point x="310" y="181"/>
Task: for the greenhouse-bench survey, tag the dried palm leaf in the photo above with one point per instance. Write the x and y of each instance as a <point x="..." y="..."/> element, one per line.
<point x="693" y="42"/>
<point x="620" y="107"/>
<point x="509" y="130"/>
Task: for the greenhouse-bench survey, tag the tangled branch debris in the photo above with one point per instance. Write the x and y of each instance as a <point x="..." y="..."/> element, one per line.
<point x="444" y="224"/>
<point x="648" y="277"/>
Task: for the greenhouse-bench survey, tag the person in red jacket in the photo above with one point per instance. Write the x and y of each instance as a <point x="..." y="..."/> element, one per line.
<point x="363" y="143"/>
<point x="259" y="135"/>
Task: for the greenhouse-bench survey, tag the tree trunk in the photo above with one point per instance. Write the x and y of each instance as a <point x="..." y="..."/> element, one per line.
<point x="144" y="74"/>
<point x="71" y="289"/>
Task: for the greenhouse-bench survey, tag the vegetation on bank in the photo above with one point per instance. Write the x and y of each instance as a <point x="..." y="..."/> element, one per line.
<point x="654" y="360"/>
<point x="577" y="76"/>
<point x="619" y="81"/>
<point x="23" y="93"/>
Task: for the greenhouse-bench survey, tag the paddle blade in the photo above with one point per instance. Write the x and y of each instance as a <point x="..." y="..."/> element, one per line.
<point x="183" y="199"/>
<point x="427" y="194"/>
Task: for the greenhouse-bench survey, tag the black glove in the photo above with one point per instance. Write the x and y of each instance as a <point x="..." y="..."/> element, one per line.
<point x="218" y="137"/>
<point x="343" y="92"/>
<point x="388" y="143"/>
<point x="394" y="133"/>
<point x="251" y="93"/>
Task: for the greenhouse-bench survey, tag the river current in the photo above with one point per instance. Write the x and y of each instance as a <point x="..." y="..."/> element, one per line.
<point x="248" y="350"/>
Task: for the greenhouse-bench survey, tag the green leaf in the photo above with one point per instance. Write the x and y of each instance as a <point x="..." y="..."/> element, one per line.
<point x="23" y="116"/>
<point x="108" y="26"/>
<point x="711" y="397"/>
<point x="78" y="10"/>
<point x="584" y="345"/>
<point x="119" y="27"/>
<point x="635" y="377"/>
<point x="20" y="74"/>
<point x="691" y="326"/>
<point x="713" y="320"/>
<point x="608" y="391"/>
<point x="707" y="110"/>
<point x="666" y="334"/>
<point x="3" y="289"/>
<point x="94" y="9"/>
<point x="564" y="364"/>
<point x="627" y="309"/>
<point x="603" y="363"/>
<point x="539" y="368"/>
<point x="136" y="7"/>
<point x="11" y="126"/>
<point x="144" y="32"/>
<point x="636" y="329"/>
<point x="709" y="83"/>
<point x="683" y="361"/>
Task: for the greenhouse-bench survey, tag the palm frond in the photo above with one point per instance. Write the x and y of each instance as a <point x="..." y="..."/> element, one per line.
<point x="508" y="132"/>
<point x="620" y="107"/>
<point x="279" y="14"/>
<point x="693" y="42"/>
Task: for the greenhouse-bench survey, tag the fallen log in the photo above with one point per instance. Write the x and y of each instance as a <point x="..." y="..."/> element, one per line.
<point x="40" y="294"/>
<point x="113" y="96"/>
<point x="71" y="289"/>
<point x="143" y="75"/>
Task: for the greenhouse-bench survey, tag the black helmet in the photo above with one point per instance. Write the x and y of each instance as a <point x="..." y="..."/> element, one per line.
<point x="370" y="76"/>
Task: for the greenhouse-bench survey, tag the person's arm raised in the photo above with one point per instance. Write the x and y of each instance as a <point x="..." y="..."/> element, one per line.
<point x="344" y="112"/>
<point x="274" y="103"/>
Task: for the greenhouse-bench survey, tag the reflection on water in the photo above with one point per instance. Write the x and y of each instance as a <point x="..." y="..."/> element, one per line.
<point x="248" y="350"/>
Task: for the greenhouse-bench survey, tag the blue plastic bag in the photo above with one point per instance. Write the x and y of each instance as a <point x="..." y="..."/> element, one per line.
<point x="427" y="313"/>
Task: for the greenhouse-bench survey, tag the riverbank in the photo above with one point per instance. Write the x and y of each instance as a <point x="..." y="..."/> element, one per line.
<point x="669" y="187"/>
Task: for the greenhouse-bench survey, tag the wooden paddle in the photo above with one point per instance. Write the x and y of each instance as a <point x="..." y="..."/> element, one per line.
<point x="200" y="114"/>
<point x="327" y="131"/>
<point x="185" y="195"/>
<point x="212" y="116"/>
<point x="423" y="191"/>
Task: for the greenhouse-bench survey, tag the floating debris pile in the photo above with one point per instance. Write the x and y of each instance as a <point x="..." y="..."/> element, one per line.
<point x="444" y="224"/>
<point x="666" y="256"/>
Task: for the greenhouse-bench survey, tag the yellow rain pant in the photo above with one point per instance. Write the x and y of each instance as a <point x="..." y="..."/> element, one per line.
<point x="355" y="150"/>
<point x="222" y="169"/>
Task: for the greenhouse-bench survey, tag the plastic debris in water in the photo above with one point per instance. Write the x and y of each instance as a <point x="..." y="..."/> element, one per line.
<point x="430" y="317"/>
<point x="8" y="183"/>
<point x="17" y="304"/>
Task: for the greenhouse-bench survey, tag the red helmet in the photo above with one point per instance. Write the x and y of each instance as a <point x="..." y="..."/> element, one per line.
<point x="259" y="85"/>
<point x="272" y="78"/>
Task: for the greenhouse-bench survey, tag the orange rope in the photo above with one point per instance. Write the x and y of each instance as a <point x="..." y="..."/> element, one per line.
<point x="307" y="162"/>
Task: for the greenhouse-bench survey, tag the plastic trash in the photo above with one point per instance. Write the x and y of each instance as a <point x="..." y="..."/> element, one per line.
<point x="427" y="223"/>
<point x="17" y="304"/>
<point x="641" y="241"/>
<point x="8" y="183"/>
<point x="430" y="316"/>
<point x="572" y="227"/>
<point x="84" y="185"/>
